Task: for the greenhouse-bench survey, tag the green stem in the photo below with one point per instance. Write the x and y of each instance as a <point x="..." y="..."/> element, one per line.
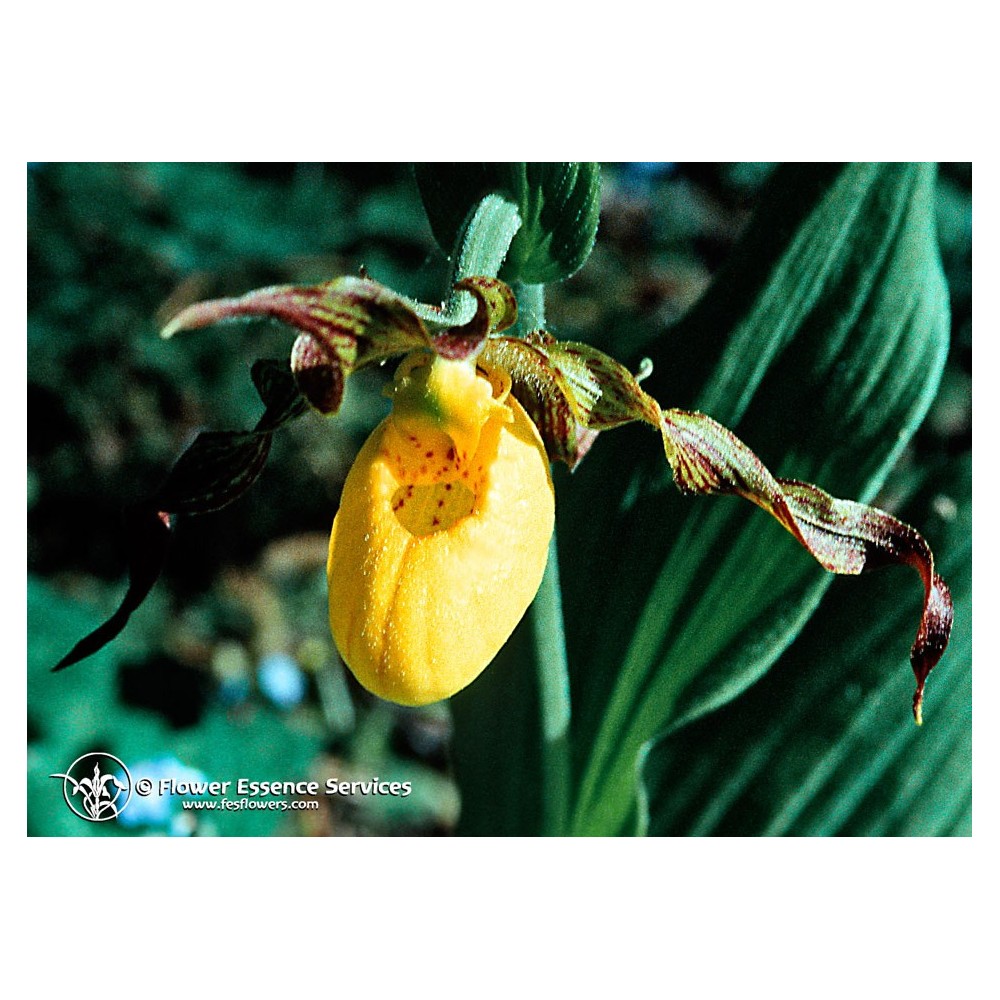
<point x="552" y="670"/>
<point x="551" y="665"/>
<point x="530" y="307"/>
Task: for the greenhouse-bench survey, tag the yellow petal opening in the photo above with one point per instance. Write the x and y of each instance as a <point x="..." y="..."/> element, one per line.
<point x="442" y="534"/>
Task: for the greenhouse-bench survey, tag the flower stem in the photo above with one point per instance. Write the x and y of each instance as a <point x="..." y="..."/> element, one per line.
<point x="551" y="665"/>
<point x="553" y="696"/>
<point x="530" y="307"/>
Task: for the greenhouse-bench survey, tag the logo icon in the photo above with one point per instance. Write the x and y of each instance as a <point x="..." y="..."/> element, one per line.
<point x="97" y="787"/>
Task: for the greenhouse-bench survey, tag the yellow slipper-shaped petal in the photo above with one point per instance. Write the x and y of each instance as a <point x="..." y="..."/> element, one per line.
<point x="442" y="534"/>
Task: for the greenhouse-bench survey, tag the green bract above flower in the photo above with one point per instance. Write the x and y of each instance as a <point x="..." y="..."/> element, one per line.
<point x="571" y="392"/>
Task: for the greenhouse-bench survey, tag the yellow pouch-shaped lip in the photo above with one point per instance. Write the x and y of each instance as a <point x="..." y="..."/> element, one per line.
<point x="436" y="554"/>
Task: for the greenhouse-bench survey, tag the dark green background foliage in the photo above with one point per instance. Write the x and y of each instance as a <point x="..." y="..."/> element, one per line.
<point x="821" y="343"/>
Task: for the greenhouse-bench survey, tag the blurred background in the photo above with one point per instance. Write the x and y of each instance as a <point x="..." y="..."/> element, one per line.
<point x="228" y="670"/>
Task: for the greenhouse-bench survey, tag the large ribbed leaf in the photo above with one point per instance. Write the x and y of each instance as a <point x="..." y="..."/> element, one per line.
<point x="820" y="747"/>
<point x="821" y="345"/>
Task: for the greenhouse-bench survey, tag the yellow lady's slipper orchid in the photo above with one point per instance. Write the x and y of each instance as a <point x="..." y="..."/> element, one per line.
<point x="445" y="520"/>
<point x="442" y="534"/>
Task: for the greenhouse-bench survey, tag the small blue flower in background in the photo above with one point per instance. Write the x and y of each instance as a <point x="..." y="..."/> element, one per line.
<point x="281" y="680"/>
<point x="155" y="810"/>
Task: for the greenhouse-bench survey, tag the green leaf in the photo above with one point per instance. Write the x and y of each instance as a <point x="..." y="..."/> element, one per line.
<point x="498" y="747"/>
<point x="821" y="344"/>
<point x="558" y="203"/>
<point x="819" y="747"/>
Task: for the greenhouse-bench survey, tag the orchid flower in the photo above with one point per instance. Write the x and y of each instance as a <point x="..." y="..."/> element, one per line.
<point x="442" y="535"/>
